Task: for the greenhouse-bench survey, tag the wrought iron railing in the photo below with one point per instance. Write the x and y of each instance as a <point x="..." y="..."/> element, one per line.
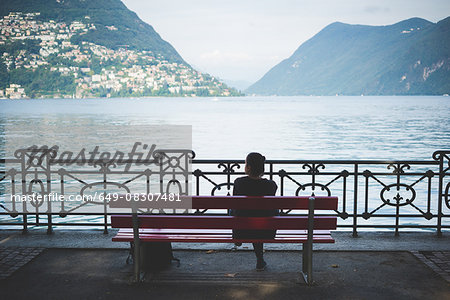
<point x="373" y="194"/>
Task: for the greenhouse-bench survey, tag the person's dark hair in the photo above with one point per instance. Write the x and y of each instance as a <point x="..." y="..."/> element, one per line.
<point x="256" y="163"/>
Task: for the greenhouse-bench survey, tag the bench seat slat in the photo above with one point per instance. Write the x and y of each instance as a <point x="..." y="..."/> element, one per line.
<point x="223" y="222"/>
<point x="222" y="238"/>
<point x="225" y="236"/>
<point x="210" y="231"/>
<point x="143" y="235"/>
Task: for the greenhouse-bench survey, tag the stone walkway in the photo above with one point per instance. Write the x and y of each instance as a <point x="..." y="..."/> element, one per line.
<point x="438" y="261"/>
<point x="17" y="250"/>
<point x="12" y="259"/>
<point x="86" y="273"/>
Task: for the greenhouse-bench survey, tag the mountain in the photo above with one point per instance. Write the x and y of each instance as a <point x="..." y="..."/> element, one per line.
<point x="411" y="57"/>
<point x="131" y="30"/>
<point x="90" y="48"/>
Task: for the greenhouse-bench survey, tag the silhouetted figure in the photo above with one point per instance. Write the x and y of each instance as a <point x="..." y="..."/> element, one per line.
<point x="254" y="185"/>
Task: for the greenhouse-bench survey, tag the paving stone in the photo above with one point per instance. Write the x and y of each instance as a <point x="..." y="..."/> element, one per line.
<point x="13" y="259"/>
<point x="438" y="261"/>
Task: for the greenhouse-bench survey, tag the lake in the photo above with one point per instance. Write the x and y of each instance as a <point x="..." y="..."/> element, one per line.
<point x="410" y="127"/>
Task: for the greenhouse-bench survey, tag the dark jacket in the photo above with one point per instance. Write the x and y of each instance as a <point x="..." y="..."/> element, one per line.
<point x="246" y="186"/>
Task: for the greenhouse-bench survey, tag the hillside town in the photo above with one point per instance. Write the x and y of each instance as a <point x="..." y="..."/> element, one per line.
<point x="90" y="70"/>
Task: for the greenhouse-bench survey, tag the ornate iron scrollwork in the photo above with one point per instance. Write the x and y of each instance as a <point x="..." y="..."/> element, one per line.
<point x="104" y="184"/>
<point x="313" y="168"/>
<point x="218" y="187"/>
<point x="396" y="200"/>
<point x="447" y="195"/>
<point x="398" y="168"/>
<point x="36" y="201"/>
<point x="313" y="186"/>
<point x="228" y="167"/>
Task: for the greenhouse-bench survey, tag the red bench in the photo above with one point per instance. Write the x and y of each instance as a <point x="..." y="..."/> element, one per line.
<point x="218" y="228"/>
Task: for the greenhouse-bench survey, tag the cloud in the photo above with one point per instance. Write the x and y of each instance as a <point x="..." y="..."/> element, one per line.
<point x="372" y="9"/>
<point x="237" y="65"/>
<point x="219" y="57"/>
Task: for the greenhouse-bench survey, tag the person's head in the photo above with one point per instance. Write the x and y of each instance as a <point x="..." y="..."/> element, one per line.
<point x="254" y="164"/>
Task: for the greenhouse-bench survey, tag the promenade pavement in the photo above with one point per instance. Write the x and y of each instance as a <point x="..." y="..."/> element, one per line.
<point x="85" y="264"/>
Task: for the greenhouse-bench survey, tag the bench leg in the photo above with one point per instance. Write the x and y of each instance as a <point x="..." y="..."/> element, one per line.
<point x="137" y="250"/>
<point x="308" y="246"/>
<point x="307" y="263"/>
<point x="137" y="262"/>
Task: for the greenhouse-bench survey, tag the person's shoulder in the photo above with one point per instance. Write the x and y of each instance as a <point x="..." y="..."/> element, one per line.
<point x="270" y="181"/>
<point x="240" y="179"/>
<point x="271" y="185"/>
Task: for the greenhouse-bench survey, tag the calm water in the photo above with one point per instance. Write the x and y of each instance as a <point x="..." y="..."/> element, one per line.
<point x="279" y="127"/>
<point x="386" y="128"/>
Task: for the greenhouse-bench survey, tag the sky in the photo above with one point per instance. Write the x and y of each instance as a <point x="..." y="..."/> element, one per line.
<point x="240" y="40"/>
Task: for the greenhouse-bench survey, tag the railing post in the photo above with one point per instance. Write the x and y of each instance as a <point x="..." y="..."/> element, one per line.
<point x="397" y="217"/>
<point x="308" y="246"/>
<point x="355" y="201"/>
<point x="105" y="220"/>
<point x="25" y="224"/>
<point x="281" y="183"/>
<point x="440" y="194"/>
<point x="197" y="182"/>
<point x="50" y="224"/>
<point x="137" y="250"/>
<point x="105" y="213"/>
<point x="137" y="242"/>
<point x="24" y="191"/>
<point x="48" y="174"/>
<point x="105" y="201"/>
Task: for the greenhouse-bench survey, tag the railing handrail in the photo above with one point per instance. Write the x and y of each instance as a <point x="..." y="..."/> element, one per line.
<point x="269" y="161"/>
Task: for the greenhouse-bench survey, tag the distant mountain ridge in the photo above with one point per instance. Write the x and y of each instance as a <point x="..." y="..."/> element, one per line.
<point x="411" y="57"/>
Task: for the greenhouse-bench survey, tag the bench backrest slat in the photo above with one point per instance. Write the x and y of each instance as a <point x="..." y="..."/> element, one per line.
<point x="245" y="202"/>
<point x="265" y="202"/>
<point x="223" y="222"/>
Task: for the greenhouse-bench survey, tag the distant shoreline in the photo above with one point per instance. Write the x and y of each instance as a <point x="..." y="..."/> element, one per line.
<point x="220" y="97"/>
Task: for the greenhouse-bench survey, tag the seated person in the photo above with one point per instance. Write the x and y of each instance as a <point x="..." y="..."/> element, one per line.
<point x="254" y="185"/>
